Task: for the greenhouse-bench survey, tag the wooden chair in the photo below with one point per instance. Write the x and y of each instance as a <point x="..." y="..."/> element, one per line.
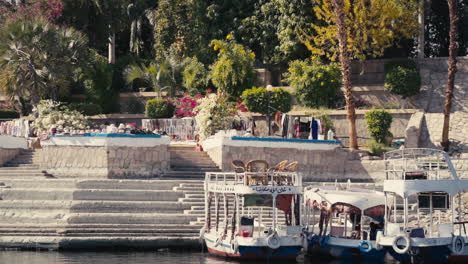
<point x="278" y="168"/>
<point x="257" y="166"/>
<point x="238" y="165"/>
<point x="291" y="167"/>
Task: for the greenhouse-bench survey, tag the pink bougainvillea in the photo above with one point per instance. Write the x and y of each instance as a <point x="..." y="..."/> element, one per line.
<point x="185" y="105"/>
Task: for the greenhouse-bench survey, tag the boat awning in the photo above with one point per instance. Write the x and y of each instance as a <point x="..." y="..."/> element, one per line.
<point x="405" y="188"/>
<point x="362" y="199"/>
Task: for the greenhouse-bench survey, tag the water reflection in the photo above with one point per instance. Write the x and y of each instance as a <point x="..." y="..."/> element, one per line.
<point x="119" y="257"/>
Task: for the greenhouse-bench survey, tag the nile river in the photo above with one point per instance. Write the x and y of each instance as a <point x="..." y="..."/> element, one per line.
<point x="119" y="257"/>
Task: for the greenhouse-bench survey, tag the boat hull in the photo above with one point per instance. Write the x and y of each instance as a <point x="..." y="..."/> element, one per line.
<point x="253" y="250"/>
<point x="343" y="248"/>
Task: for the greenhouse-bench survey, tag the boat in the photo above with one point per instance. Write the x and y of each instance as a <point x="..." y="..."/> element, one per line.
<point x="424" y="216"/>
<point x="253" y="215"/>
<point x="344" y="223"/>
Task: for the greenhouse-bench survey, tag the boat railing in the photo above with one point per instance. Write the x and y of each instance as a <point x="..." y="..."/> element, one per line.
<point x="254" y="178"/>
<point x="418" y="163"/>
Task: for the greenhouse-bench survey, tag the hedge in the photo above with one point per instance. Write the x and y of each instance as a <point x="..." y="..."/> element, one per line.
<point x="159" y="108"/>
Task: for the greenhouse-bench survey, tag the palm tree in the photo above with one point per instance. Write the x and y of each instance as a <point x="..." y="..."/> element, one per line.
<point x="38" y="59"/>
<point x="155" y="76"/>
<point x="345" y="70"/>
<point x="452" y="69"/>
<point x="138" y="12"/>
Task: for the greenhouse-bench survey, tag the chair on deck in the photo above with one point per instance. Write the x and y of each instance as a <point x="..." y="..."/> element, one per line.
<point x="278" y="168"/>
<point x="238" y="165"/>
<point x="257" y="166"/>
<point x="291" y="167"/>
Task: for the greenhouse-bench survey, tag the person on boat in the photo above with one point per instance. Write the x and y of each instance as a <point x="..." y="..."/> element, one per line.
<point x="373" y="231"/>
<point x="324" y="217"/>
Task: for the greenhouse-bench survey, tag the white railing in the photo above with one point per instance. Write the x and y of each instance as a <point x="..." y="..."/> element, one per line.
<point x="430" y="164"/>
<point x="254" y="178"/>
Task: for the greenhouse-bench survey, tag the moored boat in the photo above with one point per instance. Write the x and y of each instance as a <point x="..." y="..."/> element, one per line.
<point x="260" y="216"/>
<point x="425" y="220"/>
<point x="344" y="223"/>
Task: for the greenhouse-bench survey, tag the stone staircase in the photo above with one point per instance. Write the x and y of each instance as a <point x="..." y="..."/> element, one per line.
<point x="26" y="164"/>
<point x="188" y="163"/>
<point x="71" y="213"/>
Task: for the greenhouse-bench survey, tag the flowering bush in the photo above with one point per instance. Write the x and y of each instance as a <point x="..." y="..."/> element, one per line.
<point x="185" y="106"/>
<point x="48" y="114"/>
<point x="214" y="113"/>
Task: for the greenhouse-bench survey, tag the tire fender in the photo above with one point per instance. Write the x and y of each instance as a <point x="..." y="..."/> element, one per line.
<point x="407" y="244"/>
<point x="458" y="245"/>
<point x="273" y="241"/>
<point x="365" y="246"/>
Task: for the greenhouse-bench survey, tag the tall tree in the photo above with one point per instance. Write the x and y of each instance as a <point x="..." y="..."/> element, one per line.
<point x="452" y="69"/>
<point x="371" y="27"/>
<point x="39" y="59"/>
<point x="341" y="26"/>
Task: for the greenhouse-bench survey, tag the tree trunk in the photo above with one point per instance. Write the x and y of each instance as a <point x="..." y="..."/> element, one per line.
<point x="345" y="70"/>
<point x="421" y="29"/>
<point x="112" y="47"/>
<point x="452" y="69"/>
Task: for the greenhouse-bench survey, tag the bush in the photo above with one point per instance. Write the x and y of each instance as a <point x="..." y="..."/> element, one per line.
<point x="317" y="85"/>
<point x="214" y="113"/>
<point x="376" y="149"/>
<point x="8" y="113"/>
<point x="87" y="109"/>
<point x="402" y="78"/>
<point x="378" y="124"/>
<point x="233" y="70"/>
<point x="159" y="108"/>
<point x="195" y="76"/>
<point x="256" y="100"/>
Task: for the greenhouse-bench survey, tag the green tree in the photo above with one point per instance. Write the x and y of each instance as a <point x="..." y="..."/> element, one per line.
<point x="372" y="26"/>
<point x="195" y="76"/>
<point x="138" y="12"/>
<point x="39" y="59"/>
<point x="378" y="124"/>
<point x="316" y="84"/>
<point x="233" y="71"/>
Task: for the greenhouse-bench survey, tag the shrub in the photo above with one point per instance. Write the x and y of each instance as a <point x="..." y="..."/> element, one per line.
<point x="402" y="77"/>
<point x="256" y="100"/>
<point x="214" y="113"/>
<point x="8" y="113"/>
<point x="376" y="149"/>
<point x="159" y="108"/>
<point x="49" y="113"/>
<point x="316" y="84"/>
<point x="378" y="124"/>
<point x="195" y="76"/>
<point x="185" y="106"/>
<point x="233" y="70"/>
<point x="87" y="109"/>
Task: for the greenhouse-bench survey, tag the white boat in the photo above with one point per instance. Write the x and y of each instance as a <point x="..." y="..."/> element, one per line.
<point x="256" y="220"/>
<point x="424" y="218"/>
<point x="344" y="223"/>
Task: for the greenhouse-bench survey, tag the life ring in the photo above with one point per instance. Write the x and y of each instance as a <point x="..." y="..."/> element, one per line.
<point x="235" y="246"/>
<point x="218" y="241"/>
<point x="274" y="241"/>
<point x="365" y="246"/>
<point x="202" y="235"/>
<point x="407" y="244"/>
<point x="458" y="245"/>
<point x="378" y="237"/>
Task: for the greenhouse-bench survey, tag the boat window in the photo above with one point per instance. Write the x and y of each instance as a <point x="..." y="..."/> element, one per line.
<point x="439" y="201"/>
<point x="258" y="200"/>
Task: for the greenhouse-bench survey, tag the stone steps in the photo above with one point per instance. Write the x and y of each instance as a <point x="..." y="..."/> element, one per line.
<point x="88" y="194"/>
<point x="129" y="218"/>
<point x="95" y="206"/>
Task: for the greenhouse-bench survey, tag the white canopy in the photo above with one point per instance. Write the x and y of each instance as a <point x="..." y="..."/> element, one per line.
<point x="362" y="199"/>
<point x="405" y="188"/>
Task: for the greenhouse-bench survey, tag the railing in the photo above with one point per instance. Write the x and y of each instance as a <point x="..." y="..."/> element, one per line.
<point x="418" y="163"/>
<point x="254" y="178"/>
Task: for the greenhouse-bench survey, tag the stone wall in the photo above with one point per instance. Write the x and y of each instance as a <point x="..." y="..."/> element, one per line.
<point x="130" y="159"/>
<point x="7" y="154"/>
<point x="431" y="131"/>
<point x="433" y="82"/>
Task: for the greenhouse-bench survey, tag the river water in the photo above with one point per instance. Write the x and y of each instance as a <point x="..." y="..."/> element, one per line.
<point x="119" y="257"/>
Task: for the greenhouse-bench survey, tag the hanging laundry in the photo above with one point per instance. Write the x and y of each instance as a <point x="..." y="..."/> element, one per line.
<point x="314" y="128"/>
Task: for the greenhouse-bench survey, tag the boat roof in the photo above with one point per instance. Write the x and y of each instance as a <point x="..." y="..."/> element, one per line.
<point x="405" y="188"/>
<point x="359" y="198"/>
